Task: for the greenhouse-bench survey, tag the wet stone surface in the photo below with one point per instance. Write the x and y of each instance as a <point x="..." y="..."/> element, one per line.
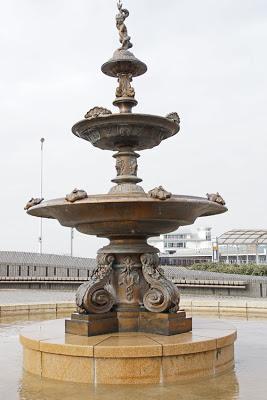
<point x="246" y="382"/>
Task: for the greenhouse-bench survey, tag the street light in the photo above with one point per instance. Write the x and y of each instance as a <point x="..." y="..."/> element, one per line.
<point x="71" y="241"/>
<point x="41" y="196"/>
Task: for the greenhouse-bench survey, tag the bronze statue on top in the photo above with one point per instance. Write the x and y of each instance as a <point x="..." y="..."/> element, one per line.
<point x="120" y="18"/>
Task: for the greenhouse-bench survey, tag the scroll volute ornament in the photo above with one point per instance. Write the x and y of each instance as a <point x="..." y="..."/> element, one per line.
<point x="162" y="294"/>
<point x="96" y="296"/>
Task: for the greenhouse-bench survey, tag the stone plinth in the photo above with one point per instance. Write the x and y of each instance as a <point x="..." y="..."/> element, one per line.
<point x="128" y="321"/>
<point x="128" y="357"/>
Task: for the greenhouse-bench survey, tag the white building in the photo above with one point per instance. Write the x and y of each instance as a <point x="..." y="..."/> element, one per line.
<point x="184" y="246"/>
<point x="188" y="246"/>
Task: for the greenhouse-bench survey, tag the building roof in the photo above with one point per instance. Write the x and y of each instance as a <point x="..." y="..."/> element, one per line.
<point x="244" y="236"/>
<point x="54" y="260"/>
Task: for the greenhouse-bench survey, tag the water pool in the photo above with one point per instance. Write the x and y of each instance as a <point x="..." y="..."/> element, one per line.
<point x="248" y="380"/>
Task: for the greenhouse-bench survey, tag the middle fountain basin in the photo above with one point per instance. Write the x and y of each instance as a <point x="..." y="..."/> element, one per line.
<point x="127" y="215"/>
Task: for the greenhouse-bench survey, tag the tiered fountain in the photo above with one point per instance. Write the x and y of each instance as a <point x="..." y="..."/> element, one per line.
<point x="127" y="292"/>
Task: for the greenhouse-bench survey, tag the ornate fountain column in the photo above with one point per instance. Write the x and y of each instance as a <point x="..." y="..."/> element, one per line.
<point x="127" y="291"/>
<point x="128" y="288"/>
<point x="126" y="167"/>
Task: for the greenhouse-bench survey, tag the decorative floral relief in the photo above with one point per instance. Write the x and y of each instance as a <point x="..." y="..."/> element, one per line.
<point x="126" y="166"/>
<point x="129" y="277"/>
<point x="125" y="89"/>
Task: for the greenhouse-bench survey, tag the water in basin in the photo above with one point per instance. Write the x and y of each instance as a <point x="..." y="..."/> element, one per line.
<point x="246" y="382"/>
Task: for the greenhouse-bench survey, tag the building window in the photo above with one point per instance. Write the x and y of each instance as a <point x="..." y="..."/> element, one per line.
<point x="175" y="237"/>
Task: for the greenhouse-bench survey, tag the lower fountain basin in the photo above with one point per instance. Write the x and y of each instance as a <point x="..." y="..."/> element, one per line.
<point x="127" y="215"/>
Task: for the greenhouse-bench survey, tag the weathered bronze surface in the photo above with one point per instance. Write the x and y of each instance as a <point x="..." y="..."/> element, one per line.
<point x="130" y="214"/>
<point x="126" y="130"/>
<point x="128" y="290"/>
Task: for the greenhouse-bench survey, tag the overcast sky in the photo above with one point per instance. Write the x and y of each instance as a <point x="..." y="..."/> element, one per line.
<point x="206" y="59"/>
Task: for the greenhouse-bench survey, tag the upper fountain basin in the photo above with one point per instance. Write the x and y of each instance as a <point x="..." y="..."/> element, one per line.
<point x="127" y="215"/>
<point x="117" y="131"/>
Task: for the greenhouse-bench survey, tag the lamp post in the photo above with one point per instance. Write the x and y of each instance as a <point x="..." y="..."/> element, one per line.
<point x="71" y="241"/>
<point x="41" y="196"/>
<point x="215" y="251"/>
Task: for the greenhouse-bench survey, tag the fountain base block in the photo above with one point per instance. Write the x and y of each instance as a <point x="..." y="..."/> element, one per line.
<point x="128" y="321"/>
<point x="128" y="357"/>
<point x="91" y="324"/>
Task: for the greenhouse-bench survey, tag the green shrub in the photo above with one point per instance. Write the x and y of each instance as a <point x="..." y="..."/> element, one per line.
<point x="242" y="269"/>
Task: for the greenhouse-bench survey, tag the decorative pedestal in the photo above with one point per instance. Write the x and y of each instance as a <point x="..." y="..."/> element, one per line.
<point x="128" y="292"/>
<point x="158" y="323"/>
<point x="128" y="357"/>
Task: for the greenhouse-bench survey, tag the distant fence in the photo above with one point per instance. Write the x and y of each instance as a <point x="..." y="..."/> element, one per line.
<point x="216" y="284"/>
<point x="42" y="271"/>
<point x="20" y="264"/>
<point x="49" y="271"/>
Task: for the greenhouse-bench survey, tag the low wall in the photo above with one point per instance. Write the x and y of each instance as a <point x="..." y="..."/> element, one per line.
<point x="8" y="310"/>
<point x="42" y="285"/>
<point x="220" y="308"/>
<point x="67" y="269"/>
<point x="253" y="289"/>
<point x="249" y="308"/>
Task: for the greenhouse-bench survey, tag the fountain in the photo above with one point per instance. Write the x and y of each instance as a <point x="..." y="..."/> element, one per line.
<point x="128" y="293"/>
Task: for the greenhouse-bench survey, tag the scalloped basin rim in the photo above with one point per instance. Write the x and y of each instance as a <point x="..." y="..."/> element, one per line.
<point x="150" y="119"/>
<point x="127" y="216"/>
<point x="215" y="208"/>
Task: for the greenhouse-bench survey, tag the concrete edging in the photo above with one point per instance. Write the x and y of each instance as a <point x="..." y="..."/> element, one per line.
<point x="36" y="308"/>
<point x="236" y="307"/>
